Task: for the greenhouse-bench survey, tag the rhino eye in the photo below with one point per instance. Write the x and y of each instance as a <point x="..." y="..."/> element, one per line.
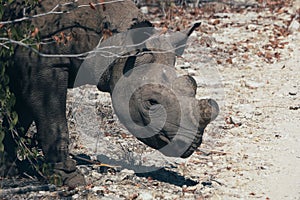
<point x="149" y="103"/>
<point x="152" y="102"/>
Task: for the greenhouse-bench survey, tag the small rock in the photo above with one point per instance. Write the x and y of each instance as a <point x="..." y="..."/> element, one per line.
<point x="126" y="174"/>
<point x="229" y="167"/>
<point x="190" y="189"/>
<point x="96" y="175"/>
<point x="293" y="92"/>
<point x="251" y="27"/>
<point x="192" y="72"/>
<point x="98" y="189"/>
<point x="264" y="167"/>
<point x="75" y="196"/>
<point x="253" y="84"/>
<point x="210" y="164"/>
<point x="248" y="116"/>
<point x="258" y="112"/>
<point x="127" y="171"/>
<point x="84" y="170"/>
<point x="145" y="196"/>
<point x="144" y="9"/>
<point x="177" y="18"/>
<point x="236" y="120"/>
<point x="233" y="120"/>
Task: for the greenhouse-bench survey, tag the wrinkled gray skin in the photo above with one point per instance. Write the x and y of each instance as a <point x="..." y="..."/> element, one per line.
<point x="162" y="111"/>
<point x="40" y="83"/>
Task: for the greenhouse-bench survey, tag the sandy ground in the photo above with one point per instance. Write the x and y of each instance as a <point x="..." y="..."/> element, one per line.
<point x="249" y="61"/>
<point x="252" y="150"/>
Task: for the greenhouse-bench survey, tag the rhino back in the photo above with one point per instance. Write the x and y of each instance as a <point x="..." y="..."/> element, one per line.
<point x="77" y="30"/>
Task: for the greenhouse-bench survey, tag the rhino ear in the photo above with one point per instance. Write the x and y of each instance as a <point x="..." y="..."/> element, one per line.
<point x="185" y="86"/>
<point x="178" y="39"/>
<point x="140" y="24"/>
<point x="103" y="83"/>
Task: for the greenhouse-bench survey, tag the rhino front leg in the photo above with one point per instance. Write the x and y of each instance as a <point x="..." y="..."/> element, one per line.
<point x="49" y="105"/>
<point x="48" y="102"/>
<point x="53" y="136"/>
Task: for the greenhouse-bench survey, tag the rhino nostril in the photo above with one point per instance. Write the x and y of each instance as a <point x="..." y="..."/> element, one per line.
<point x="208" y="109"/>
<point x="164" y="136"/>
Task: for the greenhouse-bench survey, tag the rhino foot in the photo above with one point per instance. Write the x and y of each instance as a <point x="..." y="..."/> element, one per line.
<point x="69" y="174"/>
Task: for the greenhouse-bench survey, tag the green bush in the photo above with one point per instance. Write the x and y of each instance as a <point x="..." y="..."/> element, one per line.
<point x="10" y="32"/>
<point x="7" y="99"/>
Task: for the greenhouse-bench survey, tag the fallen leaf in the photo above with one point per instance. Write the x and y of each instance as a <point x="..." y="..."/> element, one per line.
<point x="259" y="53"/>
<point x="89" y="186"/>
<point x="34" y="32"/>
<point x="277" y="55"/>
<point x="134" y="196"/>
<point x="245" y="56"/>
<point x="268" y="55"/>
<point x="106" y="33"/>
<point x="124" y="135"/>
<point x="62" y="35"/>
<point x="56" y="38"/>
<point x="229" y="60"/>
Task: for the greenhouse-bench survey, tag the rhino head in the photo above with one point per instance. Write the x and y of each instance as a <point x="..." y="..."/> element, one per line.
<point x="155" y="105"/>
<point x="160" y="109"/>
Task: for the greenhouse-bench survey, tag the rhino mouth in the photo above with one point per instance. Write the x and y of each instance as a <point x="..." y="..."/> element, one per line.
<point x="174" y="148"/>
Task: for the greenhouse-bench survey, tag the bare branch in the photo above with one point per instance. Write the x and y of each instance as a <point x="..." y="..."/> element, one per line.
<point x="54" y="11"/>
<point x="25" y="189"/>
<point x="103" y="51"/>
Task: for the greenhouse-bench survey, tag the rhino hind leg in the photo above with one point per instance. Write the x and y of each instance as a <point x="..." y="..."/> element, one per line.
<point x="11" y="166"/>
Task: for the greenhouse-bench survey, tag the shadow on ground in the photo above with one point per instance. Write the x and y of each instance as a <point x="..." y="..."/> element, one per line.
<point x="156" y="173"/>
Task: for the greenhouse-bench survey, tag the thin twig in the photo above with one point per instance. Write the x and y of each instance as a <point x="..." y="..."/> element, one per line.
<point x="94" y="162"/>
<point x="208" y="152"/>
<point x="91" y="53"/>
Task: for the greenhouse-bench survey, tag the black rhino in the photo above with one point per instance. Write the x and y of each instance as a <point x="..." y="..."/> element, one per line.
<point x="144" y="87"/>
